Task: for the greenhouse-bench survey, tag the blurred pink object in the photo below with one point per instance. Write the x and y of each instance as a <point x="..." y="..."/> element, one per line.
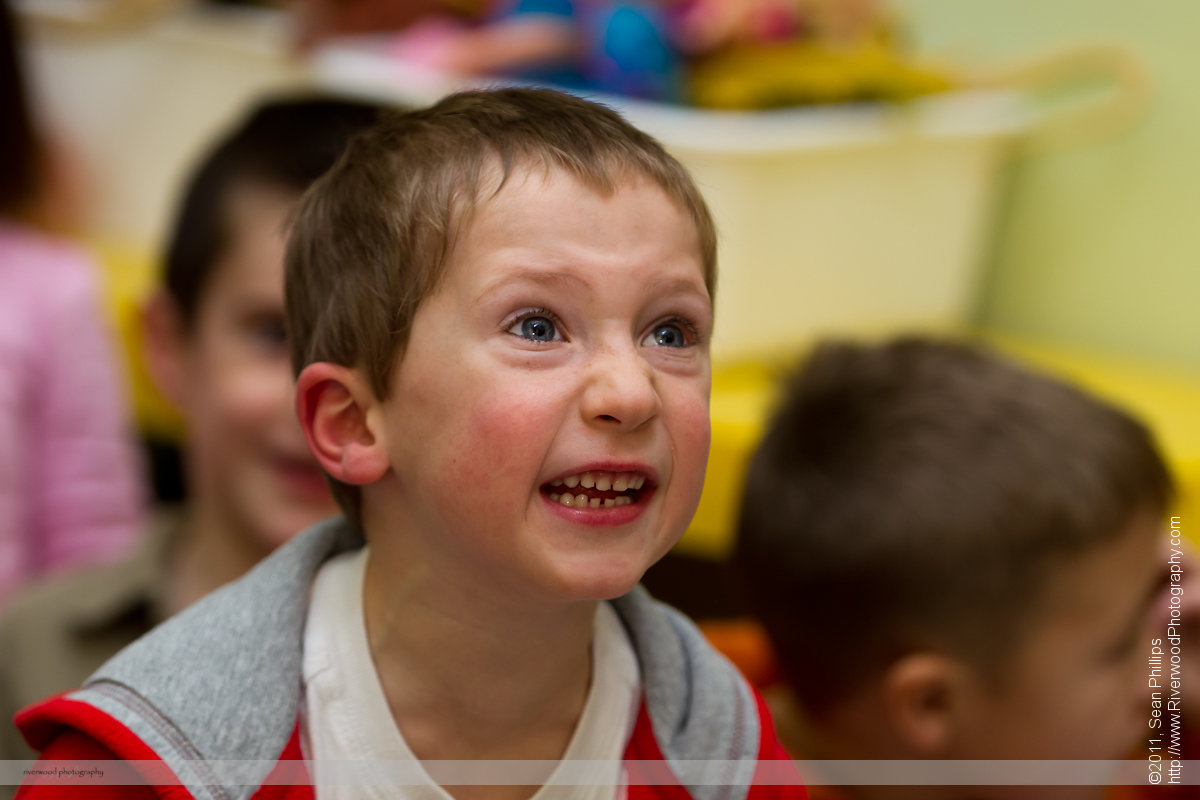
<point x="70" y="482"/>
<point x="430" y="42"/>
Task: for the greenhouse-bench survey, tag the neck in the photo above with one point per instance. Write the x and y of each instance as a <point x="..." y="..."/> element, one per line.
<point x="210" y="552"/>
<point x="470" y="676"/>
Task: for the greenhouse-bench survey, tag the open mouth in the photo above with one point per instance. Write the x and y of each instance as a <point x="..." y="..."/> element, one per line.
<point x="598" y="489"/>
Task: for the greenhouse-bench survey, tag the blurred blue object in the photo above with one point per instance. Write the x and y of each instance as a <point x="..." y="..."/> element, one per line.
<point x="627" y="51"/>
<point x="624" y="48"/>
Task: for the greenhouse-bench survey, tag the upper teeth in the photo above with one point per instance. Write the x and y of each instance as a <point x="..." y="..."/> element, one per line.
<point x="617" y="481"/>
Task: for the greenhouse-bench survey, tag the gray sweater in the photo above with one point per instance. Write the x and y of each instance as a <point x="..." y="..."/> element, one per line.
<point x="220" y="682"/>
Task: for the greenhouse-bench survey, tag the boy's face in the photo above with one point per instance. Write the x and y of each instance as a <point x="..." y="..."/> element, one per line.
<point x="1076" y="689"/>
<point x="249" y="466"/>
<point x="548" y="424"/>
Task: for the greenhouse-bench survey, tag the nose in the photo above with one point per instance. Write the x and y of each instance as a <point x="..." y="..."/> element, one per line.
<point x="620" y="390"/>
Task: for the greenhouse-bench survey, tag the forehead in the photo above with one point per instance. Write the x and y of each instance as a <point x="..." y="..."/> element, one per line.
<point x="251" y="261"/>
<point x="254" y="211"/>
<point x="537" y="210"/>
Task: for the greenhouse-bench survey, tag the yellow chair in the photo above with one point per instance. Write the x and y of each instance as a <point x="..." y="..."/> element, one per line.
<point x="130" y="274"/>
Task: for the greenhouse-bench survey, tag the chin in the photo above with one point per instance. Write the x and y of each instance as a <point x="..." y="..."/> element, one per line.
<point x="606" y="581"/>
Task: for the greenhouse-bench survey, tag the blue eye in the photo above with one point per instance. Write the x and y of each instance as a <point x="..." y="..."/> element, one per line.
<point x="668" y="334"/>
<point x="535" y="328"/>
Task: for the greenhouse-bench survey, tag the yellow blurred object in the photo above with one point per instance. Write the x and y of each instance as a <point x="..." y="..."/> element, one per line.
<point x="130" y="273"/>
<point x="807" y="72"/>
<point x="744" y="395"/>
<point x="741" y="402"/>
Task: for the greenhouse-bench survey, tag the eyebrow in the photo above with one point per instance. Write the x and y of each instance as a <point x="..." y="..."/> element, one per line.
<point x="553" y="278"/>
<point x="527" y="275"/>
<point x="681" y="285"/>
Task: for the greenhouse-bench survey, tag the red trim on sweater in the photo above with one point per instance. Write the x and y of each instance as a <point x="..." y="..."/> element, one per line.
<point x="42" y="725"/>
<point x="643" y="748"/>
<point x="72" y="745"/>
<point x="650" y="777"/>
<point x="773" y="763"/>
<point x="70" y="730"/>
<point x="65" y="729"/>
<point x="299" y="785"/>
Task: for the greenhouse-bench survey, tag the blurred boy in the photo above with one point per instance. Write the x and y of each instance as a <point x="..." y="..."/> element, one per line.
<point x="215" y="344"/>
<point x="955" y="558"/>
<point x="500" y="311"/>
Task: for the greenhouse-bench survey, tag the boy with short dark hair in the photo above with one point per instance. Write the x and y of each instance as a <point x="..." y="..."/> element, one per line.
<point x="214" y="342"/>
<point x="500" y="310"/>
<point x="954" y="558"/>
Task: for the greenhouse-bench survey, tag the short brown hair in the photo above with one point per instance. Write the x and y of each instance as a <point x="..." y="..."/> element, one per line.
<point x="371" y="238"/>
<point x="917" y="494"/>
<point x="261" y="149"/>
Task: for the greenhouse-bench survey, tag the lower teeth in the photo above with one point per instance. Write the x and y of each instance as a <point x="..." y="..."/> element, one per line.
<point x="583" y="501"/>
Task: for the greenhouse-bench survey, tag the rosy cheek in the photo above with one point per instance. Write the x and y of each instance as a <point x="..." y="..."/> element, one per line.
<point x="691" y="417"/>
<point x="499" y="439"/>
<point x="692" y="436"/>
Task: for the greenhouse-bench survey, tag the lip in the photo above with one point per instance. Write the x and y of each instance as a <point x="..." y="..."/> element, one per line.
<point x="610" y="466"/>
<point x="614" y="516"/>
<point x="599" y="517"/>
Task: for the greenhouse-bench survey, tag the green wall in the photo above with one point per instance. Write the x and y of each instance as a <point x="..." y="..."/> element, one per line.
<point x="1097" y="245"/>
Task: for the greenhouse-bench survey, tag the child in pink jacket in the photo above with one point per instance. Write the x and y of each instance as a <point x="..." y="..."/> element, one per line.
<point x="69" y="478"/>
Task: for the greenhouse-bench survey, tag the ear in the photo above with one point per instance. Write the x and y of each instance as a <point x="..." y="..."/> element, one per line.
<point x="164" y="347"/>
<point x="337" y="409"/>
<point x="922" y="696"/>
